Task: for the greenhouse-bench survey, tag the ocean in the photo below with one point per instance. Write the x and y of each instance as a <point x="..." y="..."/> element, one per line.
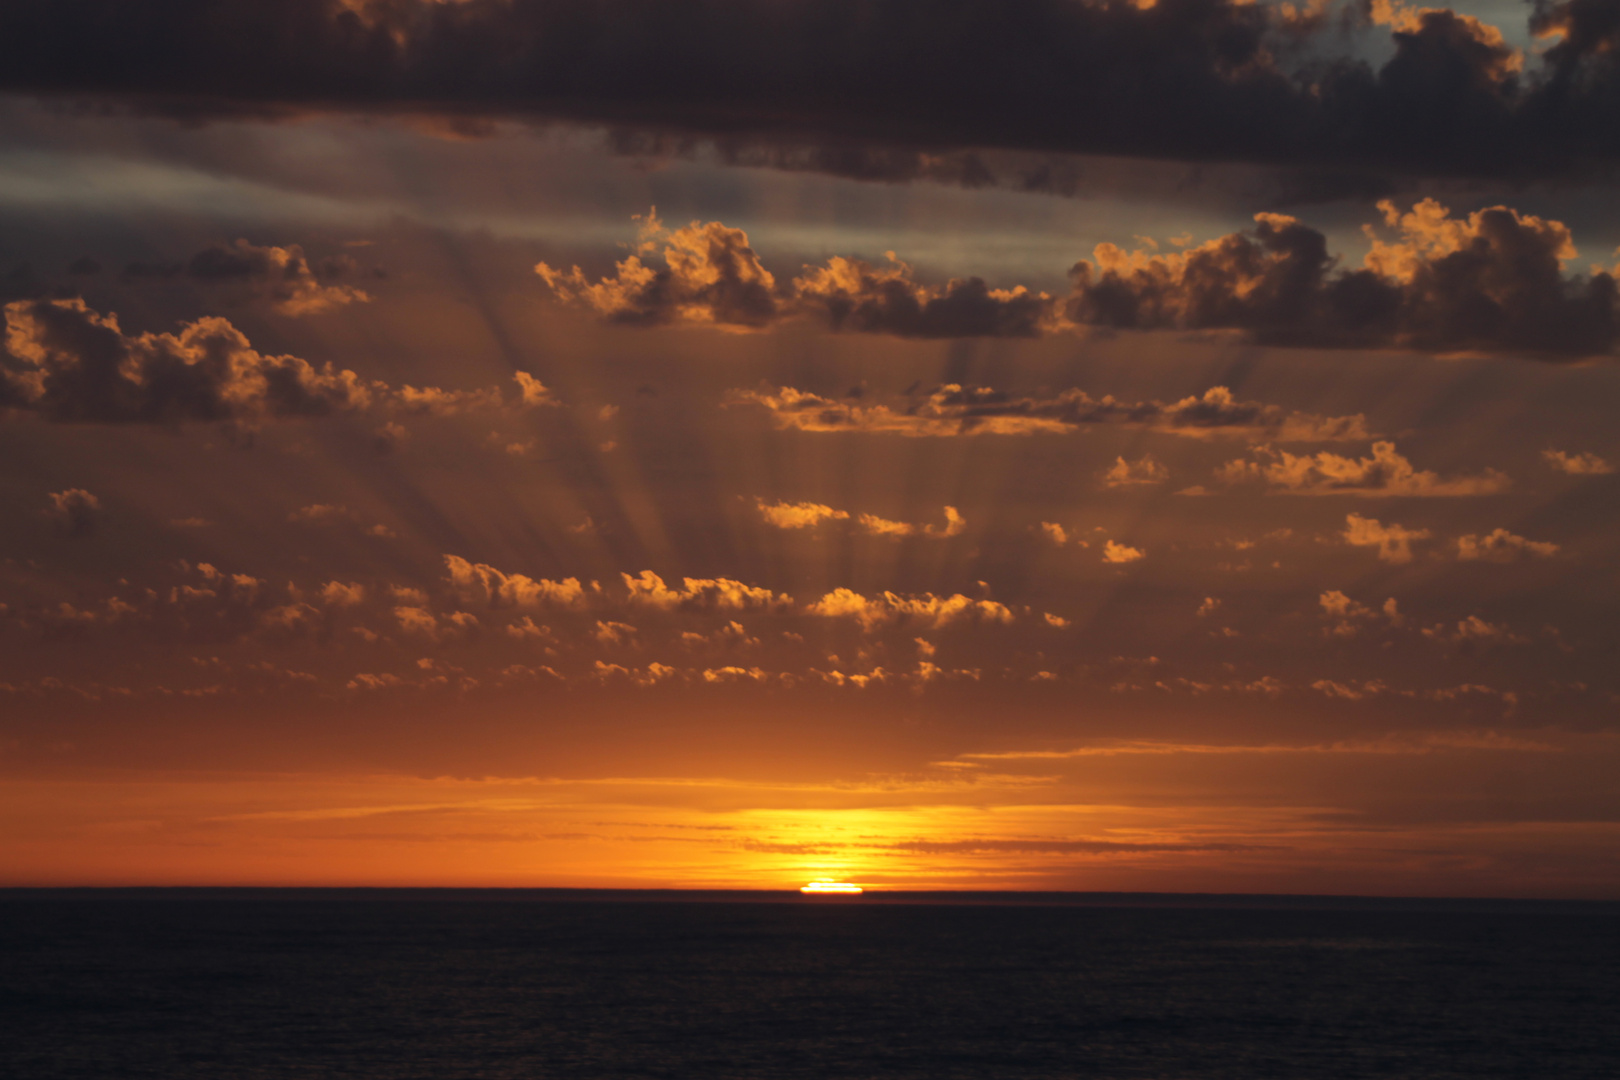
<point x="496" y="984"/>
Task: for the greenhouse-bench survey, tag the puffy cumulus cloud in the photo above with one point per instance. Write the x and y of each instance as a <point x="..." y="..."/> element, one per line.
<point x="1209" y="607"/>
<point x="434" y="627"/>
<point x="1394" y="542"/>
<point x="1384" y="472"/>
<point x="852" y="295"/>
<point x="651" y="675"/>
<point x="711" y="276"/>
<point x="75" y="512"/>
<point x="1120" y="554"/>
<point x="281" y="275"/>
<point x="614" y="633"/>
<point x="338" y="594"/>
<point x="1057" y="534"/>
<point x="1501" y="546"/>
<point x="1144" y="471"/>
<point x="1492" y="282"/>
<point x="701" y="594"/>
<point x="532" y="393"/>
<point x="802" y="515"/>
<point x="68" y="363"/>
<point x="1346" y="617"/>
<point x="1221" y="79"/>
<point x="1473" y="631"/>
<point x="1581" y="464"/>
<point x="483" y="583"/>
<point x="924" y="608"/>
<point x="952" y="409"/>
<point x="526" y="629"/>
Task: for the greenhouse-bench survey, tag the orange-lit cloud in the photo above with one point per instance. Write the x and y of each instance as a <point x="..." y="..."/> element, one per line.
<point x="1384" y="472"/>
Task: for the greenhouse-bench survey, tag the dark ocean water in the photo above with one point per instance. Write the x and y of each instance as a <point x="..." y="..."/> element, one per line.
<point x="446" y="985"/>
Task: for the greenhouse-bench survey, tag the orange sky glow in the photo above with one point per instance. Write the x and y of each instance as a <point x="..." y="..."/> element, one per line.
<point x="469" y="492"/>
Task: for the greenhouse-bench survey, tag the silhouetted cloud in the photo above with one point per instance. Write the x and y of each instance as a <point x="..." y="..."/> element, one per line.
<point x="835" y="82"/>
<point x="281" y="274"/>
<point x="1492" y="282"/>
<point x="711" y="276"/>
<point x="66" y="362"/>
<point x="69" y="363"/>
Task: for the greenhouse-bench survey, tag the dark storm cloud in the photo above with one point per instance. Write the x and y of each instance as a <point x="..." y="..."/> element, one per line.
<point x="1185" y="79"/>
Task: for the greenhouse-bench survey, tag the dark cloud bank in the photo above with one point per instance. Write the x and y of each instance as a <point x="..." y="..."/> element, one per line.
<point x="1491" y="282"/>
<point x="1182" y="79"/>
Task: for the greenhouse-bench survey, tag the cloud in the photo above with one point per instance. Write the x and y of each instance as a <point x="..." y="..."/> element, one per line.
<point x="281" y="275"/>
<point x="1120" y="554"/>
<point x="1473" y="630"/>
<point x="483" y="583"/>
<point x="887" y="89"/>
<point x="1492" y="282"/>
<point x="701" y="594"/>
<point x="1347" y="616"/>
<point x="1394" y="542"/>
<point x="75" y="511"/>
<point x="926" y="608"/>
<point x="67" y="363"/>
<point x="852" y="295"/>
<point x="802" y="515"/>
<point x="337" y="594"/>
<point x="954" y="410"/>
<point x="70" y="364"/>
<point x="1384" y="473"/>
<point x="876" y="526"/>
<point x="1501" y="546"/>
<point x="1582" y="464"/>
<point x="1143" y="471"/>
<point x="1055" y="533"/>
<point x="710" y="276"/>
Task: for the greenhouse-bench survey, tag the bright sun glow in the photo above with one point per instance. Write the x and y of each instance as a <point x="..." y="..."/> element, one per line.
<point x="835" y="888"/>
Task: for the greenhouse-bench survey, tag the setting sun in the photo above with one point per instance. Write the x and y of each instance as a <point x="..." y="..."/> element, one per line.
<point x="831" y="888"/>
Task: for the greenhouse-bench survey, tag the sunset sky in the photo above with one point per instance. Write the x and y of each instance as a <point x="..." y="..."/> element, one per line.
<point x="934" y="444"/>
